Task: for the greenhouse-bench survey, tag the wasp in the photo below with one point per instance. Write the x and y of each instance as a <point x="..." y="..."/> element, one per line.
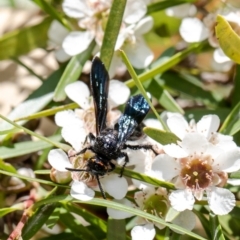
<point x="108" y="143"/>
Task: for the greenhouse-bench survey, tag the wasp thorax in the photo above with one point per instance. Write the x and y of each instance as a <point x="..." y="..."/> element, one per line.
<point x="197" y="173"/>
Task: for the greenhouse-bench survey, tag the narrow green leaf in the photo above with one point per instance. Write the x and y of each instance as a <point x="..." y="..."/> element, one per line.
<point x="158" y="6"/>
<point x="53" y="219"/>
<point x="72" y="72"/>
<point x="140" y="87"/>
<point x="7" y="166"/>
<point x="118" y="206"/>
<point x="188" y="86"/>
<point x="76" y="227"/>
<point x="22" y="148"/>
<point x="24" y="40"/>
<point x="116" y="229"/>
<point x="166" y="65"/>
<point x="163" y="97"/>
<point x="161" y="136"/>
<point x="111" y="32"/>
<point x="16" y="207"/>
<point x="36" y="101"/>
<point x="46" y="7"/>
<point x="228" y="39"/>
<point x="62" y="146"/>
<point x="29" y="179"/>
<point x="231" y="124"/>
<point x="236" y="88"/>
<point x="97" y="225"/>
<point x="144" y="178"/>
<point x="48" y="112"/>
<point x="216" y="229"/>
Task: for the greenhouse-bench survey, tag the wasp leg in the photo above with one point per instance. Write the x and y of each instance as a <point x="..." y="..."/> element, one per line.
<point x="123" y="154"/>
<point x="137" y="147"/>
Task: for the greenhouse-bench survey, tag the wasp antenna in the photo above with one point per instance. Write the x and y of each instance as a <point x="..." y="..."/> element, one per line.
<point x="76" y="170"/>
<point x="100" y="186"/>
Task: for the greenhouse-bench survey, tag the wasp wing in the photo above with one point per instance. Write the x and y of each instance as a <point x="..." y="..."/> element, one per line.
<point x="99" y="81"/>
<point x="135" y="111"/>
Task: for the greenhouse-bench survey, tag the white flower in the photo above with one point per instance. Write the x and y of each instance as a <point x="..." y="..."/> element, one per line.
<point x="112" y="183"/>
<point x="193" y="30"/>
<point x="154" y="202"/>
<point x="197" y="166"/>
<point x="181" y="11"/>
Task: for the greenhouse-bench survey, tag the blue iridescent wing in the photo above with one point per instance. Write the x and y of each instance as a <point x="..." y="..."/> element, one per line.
<point x="135" y="111"/>
<point x="99" y="81"/>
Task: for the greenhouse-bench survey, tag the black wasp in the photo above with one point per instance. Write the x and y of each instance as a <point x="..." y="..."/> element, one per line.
<point x="109" y="142"/>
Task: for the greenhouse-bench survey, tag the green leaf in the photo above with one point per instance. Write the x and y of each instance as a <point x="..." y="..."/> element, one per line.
<point x="228" y="39"/>
<point x="163" y="97"/>
<point x="116" y="229"/>
<point x="97" y="225"/>
<point x="140" y="87"/>
<point x="46" y="7"/>
<point x="111" y="32"/>
<point x="52" y="220"/>
<point x="118" y="206"/>
<point x="216" y="229"/>
<point x="231" y="124"/>
<point x="29" y="179"/>
<point x="161" y="136"/>
<point x="24" y="40"/>
<point x="16" y="207"/>
<point x="72" y="72"/>
<point x="236" y="88"/>
<point x="6" y="166"/>
<point x="144" y="178"/>
<point x="76" y="227"/>
<point x="189" y="86"/>
<point x="36" y="101"/>
<point x="158" y="6"/>
<point x="167" y="64"/>
<point x="22" y="148"/>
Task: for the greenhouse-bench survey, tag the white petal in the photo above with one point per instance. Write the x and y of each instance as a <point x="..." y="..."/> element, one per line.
<point x="229" y="161"/>
<point x="193" y="30"/>
<point x="221" y="67"/>
<point x="59" y="160"/>
<point x="221" y="201"/>
<point x="220" y="57"/>
<point x="118" y="93"/>
<point x="79" y="93"/>
<point x="208" y="124"/>
<point x="75" y="8"/>
<point x="145" y="232"/>
<point x="117" y="214"/>
<point x="61" y="55"/>
<point x="67" y="117"/>
<point x="144" y="26"/>
<point x="165" y="167"/>
<point x="153" y="123"/>
<point x="181" y="11"/>
<point x="57" y="32"/>
<point x="234" y="182"/>
<point x="181" y="200"/>
<point x="77" y="42"/>
<point x="139" y="54"/>
<point x="134" y="11"/>
<point x="81" y="191"/>
<point x="75" y="135"/>
<point x="194" y="142"/>
<point x="175" y="151"/>
<point x="185" y="219"/>
<point x="178" y="125"/>
<point x="115" y="186"/>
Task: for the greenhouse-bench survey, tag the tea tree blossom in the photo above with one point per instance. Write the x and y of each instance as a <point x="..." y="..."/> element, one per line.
<point x="92" y="16"/>
<point x="198" y="165"/>
<point x="153" y="201"/>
